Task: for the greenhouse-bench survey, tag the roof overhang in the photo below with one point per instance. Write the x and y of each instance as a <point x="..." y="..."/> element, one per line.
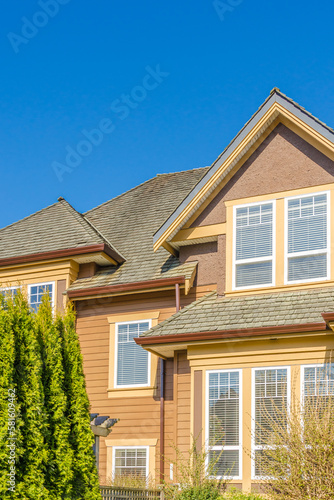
<point x="165" y="345"/>
<point x="276" y="109"/>
<point x="102" y="254"/>
<point x="139" y="286"/>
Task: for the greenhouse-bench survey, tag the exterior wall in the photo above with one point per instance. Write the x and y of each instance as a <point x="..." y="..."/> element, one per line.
<point x="284" y="161"/>
<point x="139" y="413"/>
<point x="245" y="355"/>
<point x="62" y="273"/>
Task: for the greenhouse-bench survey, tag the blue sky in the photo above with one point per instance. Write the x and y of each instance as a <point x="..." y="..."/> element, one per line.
<point x="168" y="84"/>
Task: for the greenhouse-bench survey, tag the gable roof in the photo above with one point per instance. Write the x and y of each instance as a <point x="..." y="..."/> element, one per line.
<point x="236" y="315"/>
<point x="276" y="106"/>
<point x="130" y="220"/>
<point x="56" y="228"/>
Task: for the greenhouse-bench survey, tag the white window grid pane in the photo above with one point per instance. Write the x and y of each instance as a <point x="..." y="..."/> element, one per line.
<point x="270" y="401"/>
<point x="253" y="252"/>
<point x="224" y="422"/>
<point x="318" y="381"/>
<point x="130" y="461"/>
<point x="307" y="238"/>
<point x="36" y="293"/>
<point x="132" y="361"/>
<point x="9" y="293"/>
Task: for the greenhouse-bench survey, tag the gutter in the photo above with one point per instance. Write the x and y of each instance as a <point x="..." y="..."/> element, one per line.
<point x="237" y="333"/>
<point x="128" y="287"/>
<point x="68" y="252"/>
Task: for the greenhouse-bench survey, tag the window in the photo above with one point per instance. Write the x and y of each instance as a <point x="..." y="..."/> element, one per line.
<point x="270" y="393"/>
<point x="131" y="460"/>
<point x="132" y="362"/>
<point x="36" y="293"/>
<point x="307" y="242"/>
<point x="317" y="380"/>
<point x="254" y="245"/>
<point x="9" y="292"/>
<point x="224" y="422"/>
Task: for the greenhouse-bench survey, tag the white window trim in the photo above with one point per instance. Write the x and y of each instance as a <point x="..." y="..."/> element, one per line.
<point x="312" y="252"/>
<point x="288" y="377"/>
<point x="131" y="386"/>
<point x="43" y="284"/>
<point x="7" y="288"/>
<point x="302" y="377"/>
<point x="256" y="259"/>
<point x="147" y="448"/>
<point x="207" y="422"/>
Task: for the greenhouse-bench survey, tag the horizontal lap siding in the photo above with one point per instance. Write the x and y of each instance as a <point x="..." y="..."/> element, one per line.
<point x="140" y="416"/>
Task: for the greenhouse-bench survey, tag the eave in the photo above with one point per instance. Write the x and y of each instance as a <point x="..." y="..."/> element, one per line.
<point x="108" y="255"/>
<point x="139" y="286"/>
<point x="276" y="109"/>
<point x="165" y="345"/>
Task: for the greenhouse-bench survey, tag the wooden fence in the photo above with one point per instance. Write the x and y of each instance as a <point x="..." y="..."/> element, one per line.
<point x="114" y="493"/>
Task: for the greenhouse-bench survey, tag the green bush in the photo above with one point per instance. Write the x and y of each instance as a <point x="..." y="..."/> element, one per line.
<point x="234" y="494"/>
<point x="208" y="491"/>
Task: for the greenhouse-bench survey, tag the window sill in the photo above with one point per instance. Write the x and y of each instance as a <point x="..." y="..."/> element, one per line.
<point x="130" y="392"/>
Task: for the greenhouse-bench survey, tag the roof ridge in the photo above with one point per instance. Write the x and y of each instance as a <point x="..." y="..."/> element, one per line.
<point x="183" y="311"/>
<point x="103" y="237"/>
<point x="139" y="185"/>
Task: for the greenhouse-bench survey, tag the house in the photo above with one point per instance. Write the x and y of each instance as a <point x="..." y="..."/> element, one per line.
<point x="200" y="295"/>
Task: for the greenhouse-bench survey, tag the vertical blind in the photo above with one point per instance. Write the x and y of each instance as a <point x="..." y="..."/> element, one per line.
<point x="307" y="238"/>
<point x="130" y="461"/>
<point x="270" y="406"/>
<point x="224" y="415"/>
<point x="254" y="245"/>
<point x="132" y="360"/>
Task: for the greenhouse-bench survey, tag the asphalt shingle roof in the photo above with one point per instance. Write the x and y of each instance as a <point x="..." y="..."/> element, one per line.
<point x="212" y="313"/>
<point x="57" y="227"/>
<point x="130" y="220"/>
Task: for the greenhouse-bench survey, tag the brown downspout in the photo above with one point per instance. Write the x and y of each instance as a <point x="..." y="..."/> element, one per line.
<point x="162" y="396"/>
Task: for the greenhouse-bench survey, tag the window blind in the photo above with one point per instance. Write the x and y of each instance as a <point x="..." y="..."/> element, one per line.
<point x="307" y="238"/>
<point x="224" y="420"/>
<point x="132" y="360"/>
<point x="254" y="245"/>
<point x="130" y="461"/>
<point x="270" y="406"/>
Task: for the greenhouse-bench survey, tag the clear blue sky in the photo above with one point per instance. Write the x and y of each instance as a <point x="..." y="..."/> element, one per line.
<point x="63" y="77"/>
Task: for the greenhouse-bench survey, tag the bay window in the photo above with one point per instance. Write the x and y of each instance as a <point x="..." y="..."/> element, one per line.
<point x="224" y="423"/>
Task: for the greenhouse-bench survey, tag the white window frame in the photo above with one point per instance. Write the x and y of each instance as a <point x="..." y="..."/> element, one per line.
<point x="149" y="321"/>
<point x="302" y="377"/>
<point x="53" y="283"/>
<point x="256" y="259"/>
<point x="312" y="252"/>
<point x="7" y="288"/>
<point x="288" y="393"/>
<point x="147" y="448"/>
<point x="207" y="422"/>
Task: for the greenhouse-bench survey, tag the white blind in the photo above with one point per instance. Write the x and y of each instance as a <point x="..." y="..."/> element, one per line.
<point x="254" y="245"/>
<point x="224" y="420"/>
<point x="270" y="405"/>
<point x="307" y="238"/>
<point x="318" y="381"/>
<point x="130" y="461"/>
<point x="132" y="360"/>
